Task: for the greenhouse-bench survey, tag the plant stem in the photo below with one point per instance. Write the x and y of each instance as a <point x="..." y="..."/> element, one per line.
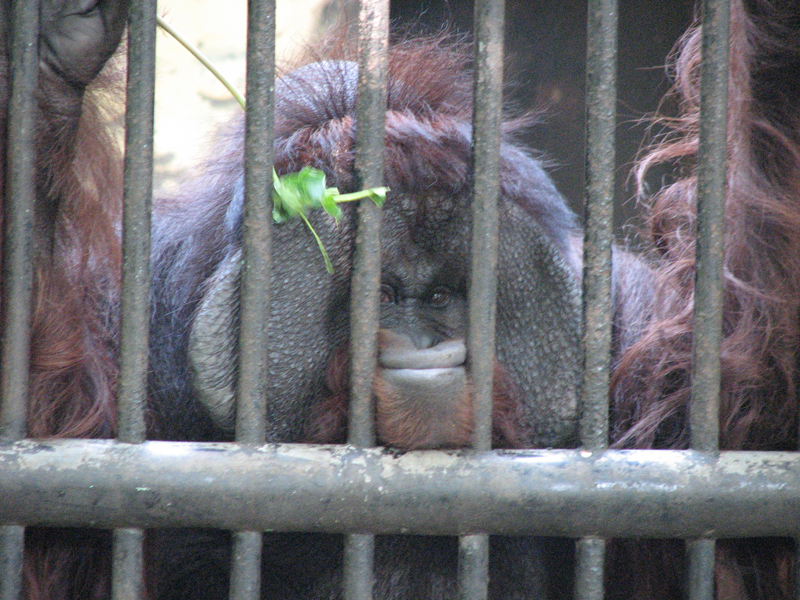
<point x="353" y="196"/>
<point x="202" y="58"/>
<point x="328" y="264"/>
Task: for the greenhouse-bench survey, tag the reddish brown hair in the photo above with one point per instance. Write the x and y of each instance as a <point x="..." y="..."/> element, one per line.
<point x="761" y="330"/>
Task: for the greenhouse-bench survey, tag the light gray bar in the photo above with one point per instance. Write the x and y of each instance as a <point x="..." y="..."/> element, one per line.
<point x="12" y="539"/>
<point x="701" y="569"/>
<point x="473" y="567"/>
<point x="591" y="552"/>
<point x="570" y="493"/>
<point x="127" y="572"/>
<point x="246" y="566"/>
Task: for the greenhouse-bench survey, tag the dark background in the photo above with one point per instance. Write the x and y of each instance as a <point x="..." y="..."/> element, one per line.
<point x="545" y="46"/>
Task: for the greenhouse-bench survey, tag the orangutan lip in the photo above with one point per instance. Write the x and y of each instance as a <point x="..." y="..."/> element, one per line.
<point x="426" y="377"/>
<point x="446" y="355"/>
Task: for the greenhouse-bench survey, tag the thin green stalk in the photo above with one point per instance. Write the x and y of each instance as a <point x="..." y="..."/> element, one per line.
<point x="328" y="264"/>
<point x="202" y="58"/>
<point x="353" y="196"/>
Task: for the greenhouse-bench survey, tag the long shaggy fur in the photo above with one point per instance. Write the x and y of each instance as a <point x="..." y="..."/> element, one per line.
<point x="73" y="375"/>
<point x="761" y="328"/>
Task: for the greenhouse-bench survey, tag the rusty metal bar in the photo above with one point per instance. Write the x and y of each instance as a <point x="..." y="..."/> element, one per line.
<point x="568" y="493"/>
<point x="251" y="402"/>
<point x="373" y="42"/>
<point x="18" y="210"/>
<point x="711" y="191"/>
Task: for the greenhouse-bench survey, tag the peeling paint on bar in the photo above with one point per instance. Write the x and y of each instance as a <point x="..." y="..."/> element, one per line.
<point x="345" y="489"/>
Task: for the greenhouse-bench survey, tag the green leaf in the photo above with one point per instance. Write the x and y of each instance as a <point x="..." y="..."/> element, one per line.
<point x="293" y="195"/>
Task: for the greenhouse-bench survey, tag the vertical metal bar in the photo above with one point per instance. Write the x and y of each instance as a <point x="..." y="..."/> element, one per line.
<point x="359" y="554"/>
<point x="12" y="539"/>
<point x="138" y="185"/>
<point x="701" y="569"/>
<point x="590" y="562"/>
<point x="711" y="191"/>
<point x="487" y="117"/>
<point x="489" y="16"/>
<point x="127" y="563"/>
<point x="601" y="101"/>
<point x="246" y="565"/>
<point x="251" y="405"/>
<point x="364" y="313"/>
<point x="19" y="198"/>
<point x="373" y="41"/>
<point x="601" y="95"/>
<point x="473" y="567"/>
<point x="256" y="224"/>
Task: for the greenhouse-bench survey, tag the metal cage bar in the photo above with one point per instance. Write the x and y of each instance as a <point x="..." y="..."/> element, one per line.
<point x="127" y="564"/>
<point x="256" y="224"/>
<point x="134" y="485"/>
<point x="568" y="493"/>
<point x="601" y="103"/>
<point x="128" y="551"/>
<point x="373" y="34"/>
<point x="12" y="539"/>
<point x="489" y="15"/>
<point x="19" y="199"/>
<point x="137" y="202"/>
<point x="251" y="400"/>
<point x="601" y="122"/>
<point x="711" y="192"/>
<point x="373" y="42"/>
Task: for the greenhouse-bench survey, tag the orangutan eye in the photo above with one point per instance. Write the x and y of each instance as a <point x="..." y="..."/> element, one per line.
<point x="440" y="297"/>
<point x="388" y="295"/>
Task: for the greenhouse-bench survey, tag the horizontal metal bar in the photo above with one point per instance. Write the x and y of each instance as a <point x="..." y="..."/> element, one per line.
<point x="103" y="483"/>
